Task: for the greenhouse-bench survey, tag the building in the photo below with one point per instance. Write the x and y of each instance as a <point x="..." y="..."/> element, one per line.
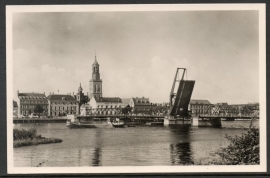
<point x="95" y="84"/>
<point x="106" y="105"/>
<point x="198" y="107"/>
<point x="28" y="101"/>
<point x="81" y="98"/>
<point x="15" y="108"/>
<point x="125" y="102"/>
<point x="61" y="105"/>
<point x="140" y="105"/>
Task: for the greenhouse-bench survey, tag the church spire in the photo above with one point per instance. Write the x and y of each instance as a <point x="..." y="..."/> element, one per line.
<point x="95" y="56"/>
<point x="80" y="88"/>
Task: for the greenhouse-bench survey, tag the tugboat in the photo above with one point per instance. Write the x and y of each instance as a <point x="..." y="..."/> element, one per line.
<point x="118" y="123"/>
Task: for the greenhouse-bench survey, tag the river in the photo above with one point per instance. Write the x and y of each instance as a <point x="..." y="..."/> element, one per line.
<point x="131" y="146"/>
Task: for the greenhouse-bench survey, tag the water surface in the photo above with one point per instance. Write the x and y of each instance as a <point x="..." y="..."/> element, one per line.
<point x="131" y="146"/>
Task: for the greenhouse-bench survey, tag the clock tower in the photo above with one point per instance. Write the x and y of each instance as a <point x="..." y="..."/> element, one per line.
<point x="95" y="84"/>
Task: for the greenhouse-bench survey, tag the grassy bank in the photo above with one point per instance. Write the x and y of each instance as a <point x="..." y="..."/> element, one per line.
<point x="29" y="137"/>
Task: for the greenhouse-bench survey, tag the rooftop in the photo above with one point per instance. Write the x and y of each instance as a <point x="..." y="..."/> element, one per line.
<point x="31" y="96"/>
<point x="110" y="100"/>
<point x="125" y="100"/>
<point x="141" y="101"/>
<point x="195" y="101"/>
<point x="60" y="97"/>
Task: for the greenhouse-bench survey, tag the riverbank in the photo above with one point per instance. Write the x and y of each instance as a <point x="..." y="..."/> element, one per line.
<point x="30" y="137"/>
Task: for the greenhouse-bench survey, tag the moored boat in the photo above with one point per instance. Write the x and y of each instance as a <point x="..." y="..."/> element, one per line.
<point x="118" y="123"/>
<point x="88" y="122"/>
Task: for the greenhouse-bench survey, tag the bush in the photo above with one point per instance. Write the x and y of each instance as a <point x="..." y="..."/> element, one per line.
<point x="243" y="149"/>
<point x="24" y="134"/>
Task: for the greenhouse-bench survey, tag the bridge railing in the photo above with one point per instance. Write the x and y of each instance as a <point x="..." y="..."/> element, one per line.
<point x="227" y="115"/>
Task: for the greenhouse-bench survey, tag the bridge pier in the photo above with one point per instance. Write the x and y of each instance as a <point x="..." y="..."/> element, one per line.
<point x="209" y="122"/>
<point x="177" y="121"/>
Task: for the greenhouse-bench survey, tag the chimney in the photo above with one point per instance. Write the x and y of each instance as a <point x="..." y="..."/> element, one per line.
<point x="52" y="92"/>
<point x="73" y="93"/>
<point x="18" y="92"/>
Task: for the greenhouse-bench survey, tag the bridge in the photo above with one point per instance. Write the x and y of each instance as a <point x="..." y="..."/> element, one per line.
<point x="180" y="115"/>
<point x="179" y="100"/>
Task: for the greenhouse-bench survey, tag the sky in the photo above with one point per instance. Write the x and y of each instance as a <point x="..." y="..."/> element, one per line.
<point x="138" y="53"/>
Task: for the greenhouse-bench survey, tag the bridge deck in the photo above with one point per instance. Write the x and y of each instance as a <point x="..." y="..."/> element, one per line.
<point x="182" y="98"/>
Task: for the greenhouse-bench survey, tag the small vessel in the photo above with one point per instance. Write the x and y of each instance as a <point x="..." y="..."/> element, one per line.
<point x="87" y="122"/>
<point x="79" y="125"/>
<point x="118" y="123"/>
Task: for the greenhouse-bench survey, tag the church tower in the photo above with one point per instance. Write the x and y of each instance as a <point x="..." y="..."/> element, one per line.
<point x="95" y="84"/>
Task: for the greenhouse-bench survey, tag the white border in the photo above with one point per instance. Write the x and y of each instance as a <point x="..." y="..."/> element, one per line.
<point x="138" y="169"/>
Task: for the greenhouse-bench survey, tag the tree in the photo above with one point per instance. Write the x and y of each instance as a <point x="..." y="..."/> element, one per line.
<point x="38" y="109"/>
<point x="29" y="112"/>
<point x="126" y="110"/>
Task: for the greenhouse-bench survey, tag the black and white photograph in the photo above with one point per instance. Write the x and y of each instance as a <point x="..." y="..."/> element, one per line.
<point x="136" y="88"/>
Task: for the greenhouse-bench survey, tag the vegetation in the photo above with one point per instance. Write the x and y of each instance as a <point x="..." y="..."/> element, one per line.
<point x="30" y="137"/>
<point x="126" y="110"/>
<point x="38" y="109"/>
<point x="243" y="149"/>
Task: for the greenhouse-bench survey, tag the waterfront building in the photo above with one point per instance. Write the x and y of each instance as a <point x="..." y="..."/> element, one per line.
<point x="95" y="84"/>
<point x="141" y="106"/>
<point x="198" y="107"/>
<point x="15" y="108"/>
<point x="106" y="105"/>
<point x="61" y="105"/>
<point x="28" y="101"/>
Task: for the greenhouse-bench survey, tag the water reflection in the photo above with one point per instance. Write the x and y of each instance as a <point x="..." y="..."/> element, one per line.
<point x="97" y="152"/>
<point x="180" y="150"/>
<point x="96" y="161"/>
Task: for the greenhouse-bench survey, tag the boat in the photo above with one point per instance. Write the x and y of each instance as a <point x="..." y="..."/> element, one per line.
<point x="79" y="125"/>
<point x="118" y="123"/>
<point x="87" y="122"/>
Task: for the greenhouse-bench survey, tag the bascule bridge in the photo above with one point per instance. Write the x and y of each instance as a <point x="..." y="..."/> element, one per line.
<point x="179" y="100"/>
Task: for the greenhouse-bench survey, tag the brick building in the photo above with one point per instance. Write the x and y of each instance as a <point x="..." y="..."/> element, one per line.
<point x="28" y="101"/>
